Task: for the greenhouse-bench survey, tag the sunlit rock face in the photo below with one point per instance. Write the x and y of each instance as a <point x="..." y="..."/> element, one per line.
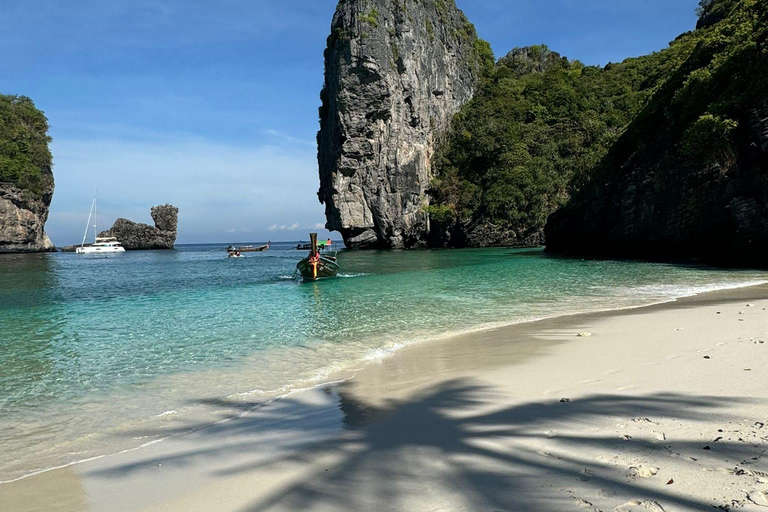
<point x="22" y="219"/>
<point x="135" y="236"/>
<point x="396" y="72"/>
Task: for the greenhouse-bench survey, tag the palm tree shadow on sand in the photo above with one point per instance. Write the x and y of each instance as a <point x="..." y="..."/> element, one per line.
<point x="449" y="449"/>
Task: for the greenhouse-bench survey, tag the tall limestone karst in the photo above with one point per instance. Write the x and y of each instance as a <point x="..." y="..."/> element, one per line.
<point x="26" y="176"/>
<point x="689" y="177"/>
<point x="396" y="72"/>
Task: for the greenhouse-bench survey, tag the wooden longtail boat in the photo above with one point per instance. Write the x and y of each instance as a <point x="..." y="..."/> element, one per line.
<point x="249" y="248"/>
<point x="317" y="266"/>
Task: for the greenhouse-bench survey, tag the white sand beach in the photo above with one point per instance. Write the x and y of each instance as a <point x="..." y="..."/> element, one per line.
<point x="658" y="408"/>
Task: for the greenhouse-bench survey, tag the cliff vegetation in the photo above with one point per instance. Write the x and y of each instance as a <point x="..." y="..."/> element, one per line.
<point x="687" y="178"/>
<point x="25" y="160"/>
<point x="543" y="127"/>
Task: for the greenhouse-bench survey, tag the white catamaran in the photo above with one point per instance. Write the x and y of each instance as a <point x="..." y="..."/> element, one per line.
<point x="100" y="245"/>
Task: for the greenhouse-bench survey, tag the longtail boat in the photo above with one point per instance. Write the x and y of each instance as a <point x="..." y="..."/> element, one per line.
<point x="317" y="266"/>
<point x="322" y="245"/>
<point x="248" y="248"/>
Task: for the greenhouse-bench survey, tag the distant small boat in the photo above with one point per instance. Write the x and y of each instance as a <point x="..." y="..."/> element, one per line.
<point x="249" y="248"/>
<point x="100" y="245"/>
<point x="320" y="245"/>
<point x="317" y="266"/>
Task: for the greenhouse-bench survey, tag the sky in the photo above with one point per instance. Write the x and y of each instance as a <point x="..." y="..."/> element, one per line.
<point x="212" y="106"/>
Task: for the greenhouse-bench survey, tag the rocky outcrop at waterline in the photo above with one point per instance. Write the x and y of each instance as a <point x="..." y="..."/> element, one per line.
<point x="136" y="236"/>
<point x="22" y="220"/>
<point x="396" y="72"/>
<point x="26" y="176"/>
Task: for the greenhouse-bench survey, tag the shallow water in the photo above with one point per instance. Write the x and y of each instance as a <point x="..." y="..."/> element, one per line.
<point x="96" y="351"/>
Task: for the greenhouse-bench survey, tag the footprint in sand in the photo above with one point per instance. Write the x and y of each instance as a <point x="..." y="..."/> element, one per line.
<point x="759" y="498"/>
<point x="587" y="505"/>
<point x="643" y="471"/>
<point x="639" y="506"/>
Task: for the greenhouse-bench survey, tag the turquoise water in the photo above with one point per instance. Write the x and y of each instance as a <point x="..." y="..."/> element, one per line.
<point x="91" y="347"/>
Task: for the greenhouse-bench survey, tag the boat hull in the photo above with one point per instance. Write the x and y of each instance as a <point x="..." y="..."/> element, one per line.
<point x="326" y="268"/>
<point x="99" y="250"/>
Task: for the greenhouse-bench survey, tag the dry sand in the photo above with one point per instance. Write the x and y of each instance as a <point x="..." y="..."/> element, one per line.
<point x="659" y="408"/>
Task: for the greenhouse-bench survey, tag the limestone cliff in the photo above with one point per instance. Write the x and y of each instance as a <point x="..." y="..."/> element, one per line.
<point x="136" y="236"/>
<point x="22" y="220"/>
<point x="26" y="176"/>
<point x="396" y="72"/>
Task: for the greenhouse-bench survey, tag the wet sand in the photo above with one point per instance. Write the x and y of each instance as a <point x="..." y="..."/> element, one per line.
<point x="657" y="408"/>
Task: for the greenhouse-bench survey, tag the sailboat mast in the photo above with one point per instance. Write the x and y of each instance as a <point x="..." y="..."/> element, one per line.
<point x="95" y="216"/>
<point x="88" y="224"/>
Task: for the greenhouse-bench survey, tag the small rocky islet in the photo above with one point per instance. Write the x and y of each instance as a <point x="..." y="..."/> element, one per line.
<point x="135" y="236"/>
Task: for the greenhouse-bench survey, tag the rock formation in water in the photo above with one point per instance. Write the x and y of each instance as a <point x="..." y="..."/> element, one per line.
<point x="22" y="220"/>
<point x="396" y="72"/>
<point x="26" y="176"/>
<point x="689" y="178"/>
<point x="136" y="236"/>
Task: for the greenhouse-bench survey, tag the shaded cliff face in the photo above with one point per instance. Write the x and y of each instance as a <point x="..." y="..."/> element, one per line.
<point x="26" y="176"/>
<point x="689" y="178"/>
<point x="136" y="236"/>
<point x="396" y="72"/>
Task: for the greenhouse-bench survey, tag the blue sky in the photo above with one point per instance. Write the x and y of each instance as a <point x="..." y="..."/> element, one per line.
<point x="212" y="106"/>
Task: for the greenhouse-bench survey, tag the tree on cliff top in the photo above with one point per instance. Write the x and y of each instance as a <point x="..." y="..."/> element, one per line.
<point x="25" y="160"/>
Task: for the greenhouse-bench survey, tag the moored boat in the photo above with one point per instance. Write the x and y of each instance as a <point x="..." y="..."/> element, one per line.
<point x="317" y="266"/>
<point x="100" y="245"/>
<point x="322" y="245"/>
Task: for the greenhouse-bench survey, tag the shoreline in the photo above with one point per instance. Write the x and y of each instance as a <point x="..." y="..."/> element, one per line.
<point x="382" y="386"/>
<point x="332" y="377"/>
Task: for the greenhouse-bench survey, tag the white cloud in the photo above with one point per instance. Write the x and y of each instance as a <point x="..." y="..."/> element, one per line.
<point x="289" y="138"/>
<point x="287" y="227"/>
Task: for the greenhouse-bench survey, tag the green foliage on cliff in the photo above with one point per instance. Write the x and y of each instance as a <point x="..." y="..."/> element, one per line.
<point x="541" y="126"/>
<point x="371" y="18"/>
<point x="25" y="159"/>
<point x="538" y="122"/>
<point x="708" y="137"/>
<point x="697" y="113"/>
